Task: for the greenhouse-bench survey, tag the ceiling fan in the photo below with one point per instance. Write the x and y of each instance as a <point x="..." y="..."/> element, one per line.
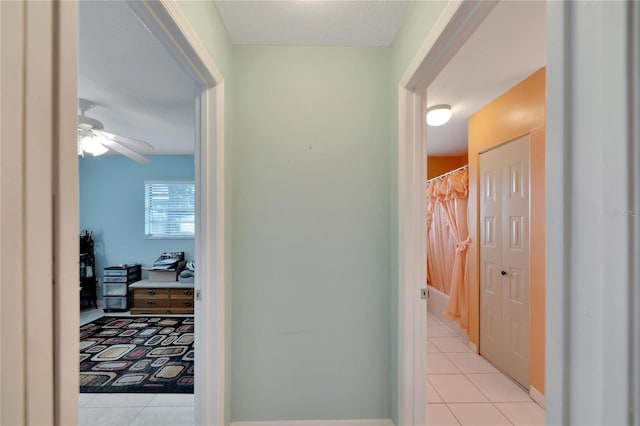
<point x="92" y="139"/>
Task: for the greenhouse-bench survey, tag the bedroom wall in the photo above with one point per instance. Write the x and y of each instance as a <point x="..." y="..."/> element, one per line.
<point x="492" y="125"/>
<point x="440" y="165"/>
<point x="112" y="206"/>
<point x="311" y="311"/>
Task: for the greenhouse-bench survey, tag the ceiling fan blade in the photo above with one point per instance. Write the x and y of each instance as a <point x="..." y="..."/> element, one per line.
<point x="116" y="146"/>
<point x="134" y="143"/>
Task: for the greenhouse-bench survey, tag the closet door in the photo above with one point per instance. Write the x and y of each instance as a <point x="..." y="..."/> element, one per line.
<point x="504" y="258"/>
<point x="491" y="329"/>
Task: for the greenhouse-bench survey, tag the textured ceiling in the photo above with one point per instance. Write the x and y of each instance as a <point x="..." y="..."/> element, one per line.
<point x="507" y="47"/>
<point x="139" y="89"/>
<point x="312" y="23"/>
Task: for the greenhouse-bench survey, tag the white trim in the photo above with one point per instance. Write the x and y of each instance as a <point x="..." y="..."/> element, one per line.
<point x="537" y="396"/>
<point x="354" y="422"/>
<point x="590" y="150"/>
<point x="167" y="22"/>
<point x="66" y="217"/>
<point x="456" y="23"/>
<point x="38" y="177"/>
<point x="473" y="347"/>
<point x="454" y="26"/>
<point x="634" y="111"/>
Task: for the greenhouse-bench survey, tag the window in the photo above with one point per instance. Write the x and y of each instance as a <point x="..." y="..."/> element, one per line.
<point x="169" y="209"/>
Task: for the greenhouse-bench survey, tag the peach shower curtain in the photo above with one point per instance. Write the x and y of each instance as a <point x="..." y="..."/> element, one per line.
<point x="447" y="254"/>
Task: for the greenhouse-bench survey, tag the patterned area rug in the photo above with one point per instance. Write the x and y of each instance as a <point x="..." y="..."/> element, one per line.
<point x="137" y="354"/>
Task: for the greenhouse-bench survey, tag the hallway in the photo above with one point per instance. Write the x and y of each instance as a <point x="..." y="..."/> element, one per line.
<point x="464" y="389"/>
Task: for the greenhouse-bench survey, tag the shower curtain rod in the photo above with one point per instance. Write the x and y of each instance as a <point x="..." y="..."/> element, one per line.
<point x="466" y="166"/>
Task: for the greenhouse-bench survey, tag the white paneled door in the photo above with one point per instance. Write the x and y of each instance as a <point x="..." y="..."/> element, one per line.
<point x="504" y="258"/>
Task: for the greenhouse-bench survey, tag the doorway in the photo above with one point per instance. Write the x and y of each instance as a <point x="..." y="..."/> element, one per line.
<point x="504" y="258"/>
<point x="137" y="201"/>
<point x="438" y="54"/>
<point x="166" y="22"/>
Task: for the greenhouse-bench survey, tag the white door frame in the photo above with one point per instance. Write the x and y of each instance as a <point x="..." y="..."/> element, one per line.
<point x="593" y="175"/>
<point x="455" y="25"/>
<point x="593" y="101"/>
<point x="50" y="144"/>
<point x="168" y="24"/>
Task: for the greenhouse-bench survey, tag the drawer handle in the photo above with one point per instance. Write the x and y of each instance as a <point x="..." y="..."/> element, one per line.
<point x="187" y="293"/>
<point x="151" y="292"/>
<point x="187" y="303"/>
<point x="151" y="302"/>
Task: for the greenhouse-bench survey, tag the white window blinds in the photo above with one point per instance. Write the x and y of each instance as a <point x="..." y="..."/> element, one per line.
<point x="169" y="209"/>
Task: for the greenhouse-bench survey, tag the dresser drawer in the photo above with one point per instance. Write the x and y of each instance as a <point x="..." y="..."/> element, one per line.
<point x="151" y="293"/>
<point x="151" y="303"/>
<point x="178" y="293"/>
<point x="182" y="303"/>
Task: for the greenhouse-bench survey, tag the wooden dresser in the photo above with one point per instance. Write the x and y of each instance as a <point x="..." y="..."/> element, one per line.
<point x="155" y="297"/>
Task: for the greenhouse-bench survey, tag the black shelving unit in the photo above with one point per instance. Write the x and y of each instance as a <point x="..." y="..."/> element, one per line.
<point x="87" y="270"/>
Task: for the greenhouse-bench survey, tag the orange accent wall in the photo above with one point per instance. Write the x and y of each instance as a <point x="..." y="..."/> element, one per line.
<point x="439" y="165"/>
<point x="518" y="112"/>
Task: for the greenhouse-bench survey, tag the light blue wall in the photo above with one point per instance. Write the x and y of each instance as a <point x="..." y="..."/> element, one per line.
<point x="311" y="336"/>
<point x="420" y="17"/>
<point x="112" y="206"/>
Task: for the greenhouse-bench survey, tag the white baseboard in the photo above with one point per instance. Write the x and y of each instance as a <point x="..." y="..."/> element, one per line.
<point x="537" y="396"/>
<point x="354" y="422"/>
<point x="473" y="347"/>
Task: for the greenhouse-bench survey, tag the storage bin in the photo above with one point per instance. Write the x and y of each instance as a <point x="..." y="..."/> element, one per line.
<point x="114" y="289"/>
<point x="118" y="303"/>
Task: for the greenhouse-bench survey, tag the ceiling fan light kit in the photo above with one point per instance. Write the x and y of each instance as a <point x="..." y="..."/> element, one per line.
<point x="438" y="115"/>
<point x="92" y="139"/>
<point x="93" y="145"/>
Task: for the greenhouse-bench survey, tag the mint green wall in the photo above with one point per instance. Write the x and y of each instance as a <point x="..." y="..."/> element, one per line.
<point x="311" y="337"/>
<point x="205" y="21"/>
<point x="420" y="17"/>
<point x="112" y="206"/>
<point x="311" y="258"/>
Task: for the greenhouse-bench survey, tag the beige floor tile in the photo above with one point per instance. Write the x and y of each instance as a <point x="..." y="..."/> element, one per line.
<point x="120" y="400"/>
<point x="432" y="395"/>
<point x="456" y="388"/>
<point x="522" y="413"/>
<point x="438" y="331"/>
<point x="439" y="415"/>
<point x="165" y="416"/>
<point x="470" y="363"/>
<point x="172" y="400"/>
<point x="498" y="388"/>
<point x="478" y="415"/>
<point x="83" y="398"/>
<point x="431" y="348"/>
<point x="438" y="363"/>
<point x="450" y="344"/>
<point x="107" y="416"/>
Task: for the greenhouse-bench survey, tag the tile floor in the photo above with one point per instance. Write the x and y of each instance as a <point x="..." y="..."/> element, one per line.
<point x="135" y="409"/>
<point x="464" y="389"/>
<point x="116" y="409"/>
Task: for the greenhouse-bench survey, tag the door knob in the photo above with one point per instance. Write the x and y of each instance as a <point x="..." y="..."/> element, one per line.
<point x="503" y="273"/>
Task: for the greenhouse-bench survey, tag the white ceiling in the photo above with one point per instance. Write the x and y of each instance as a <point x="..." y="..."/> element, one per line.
<point x="312" y="23"/>
<point x="139" y="89"/>
<point x="507" y="47"/>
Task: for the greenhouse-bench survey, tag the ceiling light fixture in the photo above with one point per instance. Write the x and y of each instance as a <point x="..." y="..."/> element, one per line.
<point x="438" y="115"/>
<point x="91" y="144"/>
